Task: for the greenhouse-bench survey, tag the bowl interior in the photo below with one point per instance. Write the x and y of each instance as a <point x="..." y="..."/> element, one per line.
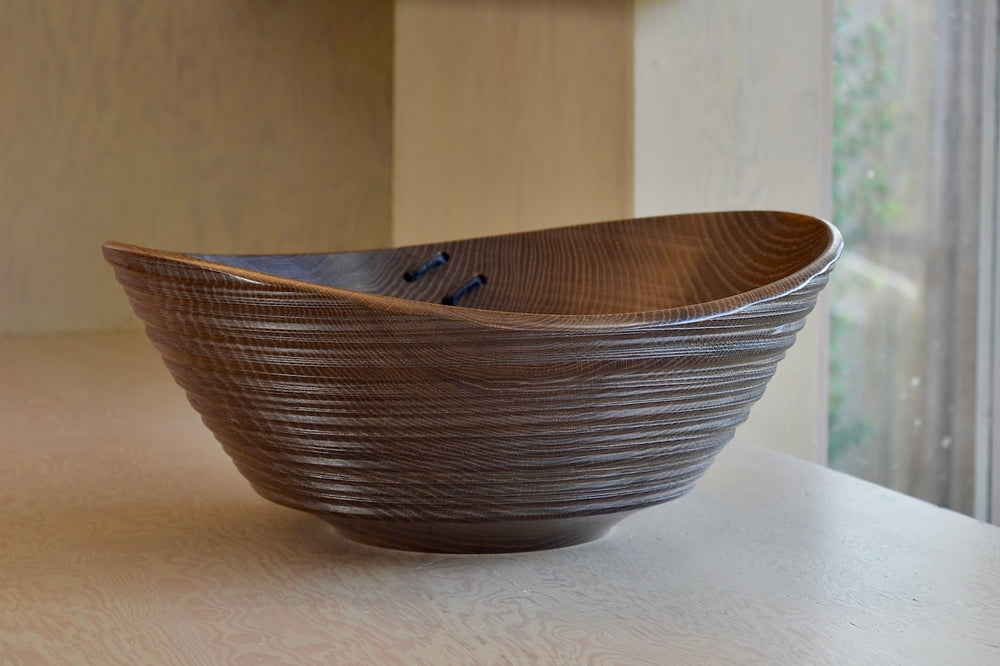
<point x="606" y="268"/>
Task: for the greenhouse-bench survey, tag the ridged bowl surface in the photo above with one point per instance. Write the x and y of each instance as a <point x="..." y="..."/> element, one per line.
<point x="582" y="373"/>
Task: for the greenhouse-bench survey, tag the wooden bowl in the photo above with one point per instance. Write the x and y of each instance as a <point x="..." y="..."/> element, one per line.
<point x="576" y="375"/>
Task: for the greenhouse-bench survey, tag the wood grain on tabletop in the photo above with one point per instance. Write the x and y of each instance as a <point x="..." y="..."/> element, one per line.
<point x="127" y="537"/>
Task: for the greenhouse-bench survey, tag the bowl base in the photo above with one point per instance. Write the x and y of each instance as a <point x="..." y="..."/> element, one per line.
<point x="489" y="537"/>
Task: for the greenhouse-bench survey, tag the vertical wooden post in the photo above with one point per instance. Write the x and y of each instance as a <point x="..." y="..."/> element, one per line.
<point x="733" y="111"/>
<point x="510" y="115"/>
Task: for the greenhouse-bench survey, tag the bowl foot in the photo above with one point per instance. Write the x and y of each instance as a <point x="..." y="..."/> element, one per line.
<point x="488" y="537"/>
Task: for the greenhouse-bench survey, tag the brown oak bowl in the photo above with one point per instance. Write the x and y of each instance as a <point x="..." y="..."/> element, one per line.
<point x="580" y="374"/>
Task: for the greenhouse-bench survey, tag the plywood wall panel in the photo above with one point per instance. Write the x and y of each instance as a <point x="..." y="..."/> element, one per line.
<point x="732" y="111"/>
<point x="223" y="126"/>
<point x="732" y="105"/>
<point x="510" y="115"/>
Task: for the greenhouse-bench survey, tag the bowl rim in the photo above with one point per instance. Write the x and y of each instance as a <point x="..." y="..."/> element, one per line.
<point x="516" y="320"/>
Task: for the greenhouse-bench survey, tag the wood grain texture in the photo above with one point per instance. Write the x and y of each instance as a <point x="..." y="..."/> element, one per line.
<point x="510" y="115"/>
<point x="210" y="125"/>
<point x="733" y="111"/>
<point x="125" y="538"/>
<point x="597" y="371"/>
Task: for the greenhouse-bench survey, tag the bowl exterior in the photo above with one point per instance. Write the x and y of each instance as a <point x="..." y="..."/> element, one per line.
<point x="417" y="431"/>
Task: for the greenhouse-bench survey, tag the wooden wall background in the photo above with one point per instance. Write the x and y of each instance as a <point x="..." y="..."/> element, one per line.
<point x="218" y="126"/>
<point x="236" y="126"/>
<point x="510" y="115"/>
<point x="733" y="110"/>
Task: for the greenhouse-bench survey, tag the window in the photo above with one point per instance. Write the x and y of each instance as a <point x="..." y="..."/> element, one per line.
<point x="913" y="376"/>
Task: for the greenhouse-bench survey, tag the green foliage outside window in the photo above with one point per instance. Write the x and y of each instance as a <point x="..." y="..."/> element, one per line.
<point x="863" y="122"/>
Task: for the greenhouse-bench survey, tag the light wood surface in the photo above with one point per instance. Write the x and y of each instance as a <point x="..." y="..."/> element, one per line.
<point x="224" y="126"/>
<point x="733" y="112"/>
<point x="509" y="116"/>
<point x="126" y="536"/>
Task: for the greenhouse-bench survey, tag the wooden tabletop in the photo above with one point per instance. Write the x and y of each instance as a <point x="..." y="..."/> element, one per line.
<point x="127" y="536"/>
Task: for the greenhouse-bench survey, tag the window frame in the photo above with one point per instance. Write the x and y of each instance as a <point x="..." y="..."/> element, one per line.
<point x="987" y="463"/>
